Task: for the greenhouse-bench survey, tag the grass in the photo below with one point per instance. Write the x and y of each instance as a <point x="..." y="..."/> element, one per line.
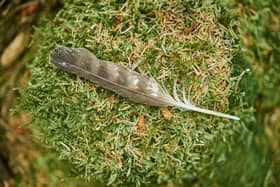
<point x="98" y="131"/>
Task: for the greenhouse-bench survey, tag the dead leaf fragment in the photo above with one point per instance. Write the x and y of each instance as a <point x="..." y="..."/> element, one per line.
<point x="15" y="49"/>
<point x="166" y="113"/>
<point x="142" y="127"/>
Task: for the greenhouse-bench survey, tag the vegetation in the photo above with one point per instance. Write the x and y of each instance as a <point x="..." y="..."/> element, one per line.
<point x="224" y="54"/>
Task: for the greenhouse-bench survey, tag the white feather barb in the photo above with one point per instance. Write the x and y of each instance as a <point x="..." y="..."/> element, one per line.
<point x="186" y="105"/>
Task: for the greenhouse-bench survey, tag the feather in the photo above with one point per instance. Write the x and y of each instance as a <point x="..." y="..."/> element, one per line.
<point x="121" y="80"/>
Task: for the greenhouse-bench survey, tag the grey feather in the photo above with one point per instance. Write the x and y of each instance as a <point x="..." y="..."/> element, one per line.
<point x="121" y="80"/>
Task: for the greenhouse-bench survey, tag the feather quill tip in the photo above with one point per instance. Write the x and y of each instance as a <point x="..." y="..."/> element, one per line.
<point x="206" y="111"/>
<point x="187" y="105"/>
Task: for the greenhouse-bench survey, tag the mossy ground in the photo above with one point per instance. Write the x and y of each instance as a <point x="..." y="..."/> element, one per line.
<point x="260" y="38"/>
<point x="98" y="131"/>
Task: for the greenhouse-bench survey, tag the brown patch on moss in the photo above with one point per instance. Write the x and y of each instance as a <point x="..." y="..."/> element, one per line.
<point x="141" y="124"/>
<point x="166" y="113"/>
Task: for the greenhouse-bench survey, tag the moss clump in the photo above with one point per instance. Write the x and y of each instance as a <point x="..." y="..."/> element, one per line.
<point x="98" y="131"/>
<point x="260" y="36"/>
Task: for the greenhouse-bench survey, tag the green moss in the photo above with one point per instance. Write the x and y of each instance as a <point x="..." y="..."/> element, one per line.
<point x="98" y="134"/>
<point x="260" y="32"/>
<point x="264" y="51"/>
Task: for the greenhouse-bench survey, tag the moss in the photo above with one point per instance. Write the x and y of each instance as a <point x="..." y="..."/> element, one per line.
<point x="260" y="39"/>
<point x="96" y="130"/>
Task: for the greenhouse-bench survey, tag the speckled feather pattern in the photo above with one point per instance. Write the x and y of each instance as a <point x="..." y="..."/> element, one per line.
<point x="121" y="80"/>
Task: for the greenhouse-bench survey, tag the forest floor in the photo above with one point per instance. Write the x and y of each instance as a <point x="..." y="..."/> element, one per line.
<point x="26" y="162"/>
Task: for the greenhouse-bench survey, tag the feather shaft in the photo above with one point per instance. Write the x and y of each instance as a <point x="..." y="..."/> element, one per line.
<point x="205" y="111"/>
